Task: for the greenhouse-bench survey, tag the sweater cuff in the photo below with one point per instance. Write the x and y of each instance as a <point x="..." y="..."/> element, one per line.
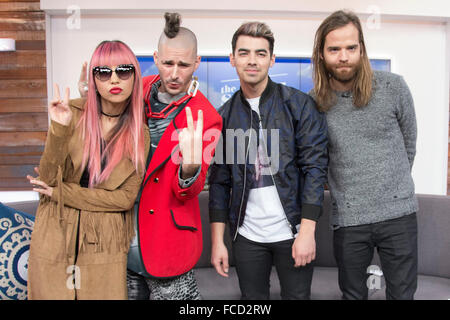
<point x="186" y="183"/>
<point x="311" y="211"/>
<point x="218" y="215"/>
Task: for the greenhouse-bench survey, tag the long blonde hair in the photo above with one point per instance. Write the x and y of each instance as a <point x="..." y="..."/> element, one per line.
<point x="362" y="86"/>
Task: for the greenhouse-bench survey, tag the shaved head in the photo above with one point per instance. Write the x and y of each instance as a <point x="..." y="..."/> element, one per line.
<point x="176" y="37"/>
<point x="185" y="39"/>
<point x="176" y="58"/>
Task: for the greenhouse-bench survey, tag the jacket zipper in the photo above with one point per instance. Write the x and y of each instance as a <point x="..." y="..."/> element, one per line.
<point x="245" y="176"/>
<point x="273" y="180"/>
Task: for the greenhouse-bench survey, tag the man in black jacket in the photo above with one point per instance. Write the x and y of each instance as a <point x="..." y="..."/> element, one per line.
<point x="269" y="173"/>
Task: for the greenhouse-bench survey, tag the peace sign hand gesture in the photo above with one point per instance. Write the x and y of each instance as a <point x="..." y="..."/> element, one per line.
<point x="191" y="144"/>
<point x="58" y="109"/>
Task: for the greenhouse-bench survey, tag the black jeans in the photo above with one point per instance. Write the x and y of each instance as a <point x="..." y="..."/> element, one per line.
<point x="396" y="242"/>
<point x="254" y="262"/>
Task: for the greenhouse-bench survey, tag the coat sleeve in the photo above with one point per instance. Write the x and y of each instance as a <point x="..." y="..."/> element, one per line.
<point x="312" y="157"/>
<point x="211" y="134"/>
<point x="55" y="152"/>
<point x="220" y="184"/>
<point x="101" y="200"/>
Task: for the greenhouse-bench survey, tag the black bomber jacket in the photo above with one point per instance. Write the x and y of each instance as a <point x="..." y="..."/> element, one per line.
<point x="302" y="156"/>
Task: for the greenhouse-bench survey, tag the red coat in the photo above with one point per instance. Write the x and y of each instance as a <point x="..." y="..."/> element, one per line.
<point x="169" y="225"/>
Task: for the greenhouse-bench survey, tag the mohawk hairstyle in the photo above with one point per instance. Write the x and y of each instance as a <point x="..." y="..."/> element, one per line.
<point x="173" y="21"/>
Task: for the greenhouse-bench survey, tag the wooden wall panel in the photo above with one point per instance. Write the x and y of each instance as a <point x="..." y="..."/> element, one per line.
<point x="12" y="172"/>
<point x="27" y="121"/>
<point x="23" y="73"/>
<point x="20" y="155"/>
<point x="15" y="184"/>
<point x="23" y="88"/>
<point x="23" y="105"/>
<point x="23" y="58"/>
<point x="23" y="35"/>
<point x="19" y="6"/>
<point x="16" y="139"/>
<point x="22" y="21"/>
<point x="23" y="93"/>
<point x="30" y="44"/>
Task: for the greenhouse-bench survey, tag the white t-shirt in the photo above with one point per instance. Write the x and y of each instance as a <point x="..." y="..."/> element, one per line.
<point x="265" y="220"/>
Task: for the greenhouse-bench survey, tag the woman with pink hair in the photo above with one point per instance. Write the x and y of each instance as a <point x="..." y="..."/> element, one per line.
<point x="89" y="176"/>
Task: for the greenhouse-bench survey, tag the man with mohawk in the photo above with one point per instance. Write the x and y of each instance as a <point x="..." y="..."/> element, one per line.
<point x="168" y="239"/>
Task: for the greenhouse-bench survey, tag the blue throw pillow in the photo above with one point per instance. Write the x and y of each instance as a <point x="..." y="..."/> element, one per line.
<point x="15" y="237"/>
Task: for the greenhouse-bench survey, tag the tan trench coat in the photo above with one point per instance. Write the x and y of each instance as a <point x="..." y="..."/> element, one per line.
<point x="102" y="217"/>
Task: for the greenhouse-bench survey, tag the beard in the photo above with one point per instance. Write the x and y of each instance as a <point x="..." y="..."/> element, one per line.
<point x="343" y="76"/>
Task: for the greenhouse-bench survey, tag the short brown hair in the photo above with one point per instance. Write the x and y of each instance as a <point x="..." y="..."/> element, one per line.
<point x="254" y="29"/>
<point x="362" y="88"/>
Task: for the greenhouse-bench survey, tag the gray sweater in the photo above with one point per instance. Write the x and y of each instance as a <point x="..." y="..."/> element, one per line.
<point x="371" y="152"/>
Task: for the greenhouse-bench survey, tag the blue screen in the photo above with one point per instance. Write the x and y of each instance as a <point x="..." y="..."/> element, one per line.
<point x="219" y="80"/>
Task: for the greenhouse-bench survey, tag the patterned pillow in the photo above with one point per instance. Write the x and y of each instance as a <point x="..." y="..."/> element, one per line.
<point x="15" y="237"/>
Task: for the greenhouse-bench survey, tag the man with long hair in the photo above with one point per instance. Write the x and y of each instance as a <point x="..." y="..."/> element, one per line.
<point x="272" y="201"/>
<point x="372" y="143"/>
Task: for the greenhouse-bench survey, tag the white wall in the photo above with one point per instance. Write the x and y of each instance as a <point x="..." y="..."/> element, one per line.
<point x="416" y="8"/>
<point x="416" y="43"/>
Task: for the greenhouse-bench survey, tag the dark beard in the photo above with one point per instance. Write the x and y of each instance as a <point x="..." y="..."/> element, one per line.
<point x="346" y="78"/>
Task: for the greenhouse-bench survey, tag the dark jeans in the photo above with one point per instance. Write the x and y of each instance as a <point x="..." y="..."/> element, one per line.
<point x="396" y="242"/>
<point x="254" y="262"/>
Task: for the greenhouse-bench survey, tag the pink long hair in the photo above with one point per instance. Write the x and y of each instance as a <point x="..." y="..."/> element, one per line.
<point x="127" y="137"/>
